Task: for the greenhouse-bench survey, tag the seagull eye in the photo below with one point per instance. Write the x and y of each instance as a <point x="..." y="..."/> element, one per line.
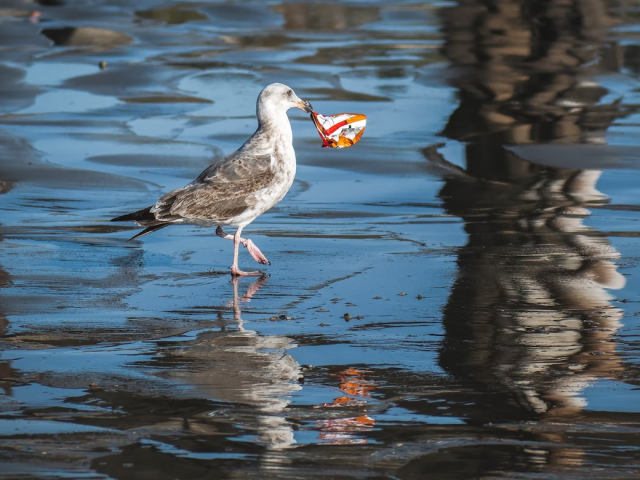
<point x="290" y="93"/>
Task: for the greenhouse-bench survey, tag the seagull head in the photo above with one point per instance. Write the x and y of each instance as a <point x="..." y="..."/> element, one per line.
<point x="280" y="97"/>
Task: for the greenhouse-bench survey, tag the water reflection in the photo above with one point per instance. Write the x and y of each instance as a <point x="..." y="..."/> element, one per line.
<point x="5" y="367"/>
<point x="5" y="281"/>
<point x="529" y="322"/>
<point x="357" y="388"/>
<point x="531" y="293"/>
<point x="241" y="367"/>
<point x="529" y="314"/>
<point x="320" y="16"/>
<point x="522" y="73"/>
<point x="6" y="372"/>
<point x="173" y="15"/>
<point x="98" y="38"/>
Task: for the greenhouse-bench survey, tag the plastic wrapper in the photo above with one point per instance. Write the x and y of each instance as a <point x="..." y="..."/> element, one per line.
<point x="341" y="130"/>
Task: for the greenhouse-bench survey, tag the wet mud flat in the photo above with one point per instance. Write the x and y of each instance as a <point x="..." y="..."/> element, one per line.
<point x="455" y="297"/>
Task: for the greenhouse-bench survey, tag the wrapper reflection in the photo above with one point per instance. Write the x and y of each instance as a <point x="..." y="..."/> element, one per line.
<point x="353" y="382"/>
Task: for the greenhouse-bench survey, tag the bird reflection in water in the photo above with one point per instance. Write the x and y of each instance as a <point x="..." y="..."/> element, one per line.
<point x="243" y="367"/>
<point x="246" y="297"/>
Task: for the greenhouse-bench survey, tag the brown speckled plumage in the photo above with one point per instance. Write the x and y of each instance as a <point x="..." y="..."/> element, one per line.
<point x="223" y="191"/>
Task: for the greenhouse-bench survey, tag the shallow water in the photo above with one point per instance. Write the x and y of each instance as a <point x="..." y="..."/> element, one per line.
<point x="455" y="297"/>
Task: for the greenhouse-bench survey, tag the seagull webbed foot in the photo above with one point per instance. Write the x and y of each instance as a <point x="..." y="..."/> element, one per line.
<point x="237" y="272"/>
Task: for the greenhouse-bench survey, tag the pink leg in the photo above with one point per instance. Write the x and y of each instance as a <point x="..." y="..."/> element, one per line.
<point x="237" y="240"/>
<point x="255" y="251"/>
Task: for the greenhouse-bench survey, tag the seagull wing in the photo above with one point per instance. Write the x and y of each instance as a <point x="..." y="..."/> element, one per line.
<point x="223" y="191"/>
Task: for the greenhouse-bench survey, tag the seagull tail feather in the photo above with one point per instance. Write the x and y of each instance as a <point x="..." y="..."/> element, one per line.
<point x="144" y="214"/>
<point x="144" y="218"/>
<point x="149" y="230"/>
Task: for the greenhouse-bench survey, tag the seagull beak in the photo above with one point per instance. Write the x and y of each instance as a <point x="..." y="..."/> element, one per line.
<point x="304" y="106"/>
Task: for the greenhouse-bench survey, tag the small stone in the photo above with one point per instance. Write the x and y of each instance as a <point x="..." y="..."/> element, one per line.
<point x="347" y="317"/>
<point x="349" y="304"/>
<point x="377" y="298"/>
<point x="306" y="367"/>
<point x="289" y="319"/>
<point x="419" y="297"/>
<point x="322" y="310"/>
<point x="103" y="65"/>
<point x="402" y="294"/>
<point x="359" y="317"/>
<point x="93" y="384"/>
<point x="274" y="319"/>
<point x="282" y="317"/>
<point x="324" y="324"/>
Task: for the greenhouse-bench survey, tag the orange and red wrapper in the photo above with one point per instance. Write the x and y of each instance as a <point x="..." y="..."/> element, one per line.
<point x="341" y="130"/>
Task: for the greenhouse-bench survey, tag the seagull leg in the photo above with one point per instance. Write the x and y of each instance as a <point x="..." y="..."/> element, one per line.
<point x="237" y="239"/>
<point x="254" y="251"/>
<point x="221" y="234"/>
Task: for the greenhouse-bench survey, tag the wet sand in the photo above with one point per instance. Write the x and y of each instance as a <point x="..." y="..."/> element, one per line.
<point x="455" y="297"/>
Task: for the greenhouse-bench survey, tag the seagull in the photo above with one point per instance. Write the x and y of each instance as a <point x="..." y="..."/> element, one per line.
<point x="238" y="188"/>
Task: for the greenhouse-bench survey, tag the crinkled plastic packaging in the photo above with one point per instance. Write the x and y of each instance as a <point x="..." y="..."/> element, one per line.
<point x="341" y="130"/>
